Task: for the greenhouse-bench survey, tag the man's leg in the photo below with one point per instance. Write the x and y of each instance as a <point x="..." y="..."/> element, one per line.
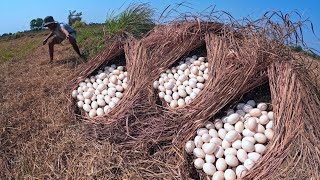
<point x="51" y="44"/>
<point x="73" y="42"/>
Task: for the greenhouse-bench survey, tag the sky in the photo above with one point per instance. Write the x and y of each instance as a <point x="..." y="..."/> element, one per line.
<point x="15" y="15"/>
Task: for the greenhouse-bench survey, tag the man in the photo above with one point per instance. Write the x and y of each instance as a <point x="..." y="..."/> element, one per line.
<point x="60" y="32"/>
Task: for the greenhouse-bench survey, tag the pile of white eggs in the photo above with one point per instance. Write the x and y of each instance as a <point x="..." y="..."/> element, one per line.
<point x="229" y="147"/>
<point x="179" y="85"/>
<point x="98" y="94"/>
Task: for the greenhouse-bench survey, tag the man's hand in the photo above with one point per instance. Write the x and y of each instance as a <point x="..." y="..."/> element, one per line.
<point x="44" y="41"/>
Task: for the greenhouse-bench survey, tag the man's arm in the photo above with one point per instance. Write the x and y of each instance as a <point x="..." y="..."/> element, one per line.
<point x="65" y="32"/>
<point x="45" y="40"/>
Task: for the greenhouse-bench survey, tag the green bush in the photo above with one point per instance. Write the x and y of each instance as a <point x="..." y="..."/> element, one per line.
<point x="78" y="24"/>
<point x="135" y="20"/>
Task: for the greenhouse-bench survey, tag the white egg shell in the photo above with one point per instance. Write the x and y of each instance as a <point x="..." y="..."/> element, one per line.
<point x="225" y="144"/>
<point x="195" y="70"/>
<point x="241" y="171"/>
<point x="237" y="144"/>
<point x="269" y="133"/>
<point x="264" y="119"/>
<point x="210" y="158"/>
<point x="221" y="164"/>
<point x="260" y="148"/>
<point x="101" y="102"/>
<point x="174" y="104"/>
<point x="106" y="109"/>
<point x="193" y="95"/>
<point x="231" y="136"/>
<point x="198" y="163"/>
<point x="209" y="148"/>
<point x="119" y="95"/>
<point x="255" y="112"/>
<point x="262" y="106"/>
<point x="188" y="90"/>
<point x="248" y="163"/>
<point x="247" y="108"/>
<point x="175" y="96"/>
<point x="100" y="112"/>
<point x="200" y="85"/>
<point x="161" y="94"/>
<point x="269" y="125"/>
<point x="271" y="115"/>
<point x="216" y="140"/>
<point x="229" y="174"/>
<point x="260" y="129"/>
<point x="261" y="138"/>
<point x="92" y="113"/>
<point x="202" y="131"/>
<point x="219" y="153"/>
<point x="242" y="155"/>
<point x="233" y="118"/>
<point x="251" y="103"/>
<point x="249" y="138"/>
<point x="188" y="100"/>
<point x="209" y="125"/>
<point x="239" y="126"/>
<point x="80" y="97"/>
<point x="115" y="100"/>
<point x="209" y="168"/>
<point x="251" y="124"/>
<point x="112" y="104"/>
<point x="198" y="152"/>
<point x="87" y="101"/>
<point x="218" y="175"/>
<point x="212" y="131"/>
<point x="218" y="124"/>
<point x="74" y="93"/>
<point x="119" y="88"/>
<point x="198" y="141"/>
<point x="247" y="146"/>
<point x="196" y="90"/>
<point x="241" y="113"/>
<point x="254" y="156"/>
<point x="206" y="76"/>
<point x="206" y="138"/>
<point x="80" y="104"/>
<point x="247" y="133"/>
<point x="190" y="145"/>
<point x="222" y="133"/>
<point x="181" y="103"/>
<point x="228" y="127"/>
<point x="94" y="104"/>
<point x="168" y="98"/>
<point x="231" y="151"/>
<point x="182" y="93"/>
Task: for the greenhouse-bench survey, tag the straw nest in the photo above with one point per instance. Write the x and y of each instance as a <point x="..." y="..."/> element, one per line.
<point x="240" y="58"/>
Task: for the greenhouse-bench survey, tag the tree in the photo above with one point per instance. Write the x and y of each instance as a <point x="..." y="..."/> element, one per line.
<point x="73" y="17"/>
<point x="36" y="24"/>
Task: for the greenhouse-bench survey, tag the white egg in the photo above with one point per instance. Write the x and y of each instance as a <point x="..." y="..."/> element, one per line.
<point x="212" y="131"/>
<point x="97" y="92"/>
<point x="233" y="118"/>
<point x="101" y="102"/>
<point x="110" y="85"/>
<point x="183" y="67"/>
<point x="216" y="140"/>
<point x="125" y="85"/>
<point x="112" y="104"/>
<point x="119" y="95"/>
<point x="181" y="87"/>
<point x="210" y="158"/>
<point x="94" y="97"/>
<point x="198" y="152"/>
<point x="261" y="138"/>
<point x="161" y="94"/>
<point x="180" y="72"/>
<point x="205" y="76"/>
<point x="222" y="133"/>
<point x="260" y="148"/>
<point x="225" y="144"/>
<point x="80" y="97"/>
<point x="209" y="168"/>
<point x="221" y="164"/>
<point x="231" y="160"/>
<point x="260" y="129"/>
<point x="115" y="100"/>
<point x="231" y="151"/>
<point x="251" y="124"/>
<point x="168" y="98"/>
<point x="74" y="93"/>
<point x="198" y="141"/>
<point x="190" y="145"/>
<point x="95" y="85"/>
<point x="200" y="79"/>
<point x="249" y="138"/>
<point x="170" y="75"/>
<point x="254" y="156"/>
<point x="247" y="146"/>
<point x="175" y="96"/>
<point x="196" y="90"/>
<point x="111" y="92"/>
<point x="255" y="112"/>
<point x="242" y="155"/>
<point x="247" y="132"/>
<point x="87" y="95"/>
<point x="198" y="163"/>
<point x="113" y="79"/>
<point x="218" y="175"/>
<point x="239" y="126"/>
<point x="100" y="112"/>
<point x="271" y="115"/>
<point x="178" y="83"/>
<point x="100" y="96"/>
<point x="248" y="163"/>
<point x="188" y="90"/>
<point x="228" y="127"/>
<point x="229" y="174"/>
<point x="209" y="125"/>
<point x="247" y="108"/>
<point x="181" y="103"/>
<point x="162" y="88"/>
<point x="174" y="103"/>
<point x="241" y="171"/>
<point x="209" y="148"/>
<point x="182" y="93"/>
<point x="218" y="124"/>
<point x="193" y="83"/>
<point x="94" y="105"/>
<point x="220" y="152"/>
<point x="121" y="77"/>
<point x="264" y="119"/>
<point x="269" y="133"/>
<point x="106" y="109"/>
<point x="169" y="85"/>
<point x="200" y="86"/>
<point x="237" y="144"/>
<point x="99" y="81"/>
<point x="231" y="136"/>
<point x="269" y="125"/>
<point x="251" y="103"/>
<point x="80" y="104"/>
<point x="104" y="92"/>
<point x="87" y="107"/>
<point x="156" y="84"/>
<point x="93" y="113"/>
<point x="262" y="106"/>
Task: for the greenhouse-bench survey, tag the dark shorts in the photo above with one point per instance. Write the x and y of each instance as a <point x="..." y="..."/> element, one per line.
<point x="58" y="40"/>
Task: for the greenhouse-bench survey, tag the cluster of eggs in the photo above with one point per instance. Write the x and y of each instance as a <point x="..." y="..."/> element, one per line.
<point x="229" y="147"/>
<point x="98" y="94"/>
<point x="179" y="85"/>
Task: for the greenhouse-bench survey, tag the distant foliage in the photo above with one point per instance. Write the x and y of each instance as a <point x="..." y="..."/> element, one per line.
<point x="36" y="24"/>
<point x="74" y="17"/>
<point x="78" y="24"/>
<point x="135" y="20"/>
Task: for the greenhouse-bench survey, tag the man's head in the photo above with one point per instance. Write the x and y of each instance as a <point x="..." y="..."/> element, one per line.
<point x="49" y="22"/>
